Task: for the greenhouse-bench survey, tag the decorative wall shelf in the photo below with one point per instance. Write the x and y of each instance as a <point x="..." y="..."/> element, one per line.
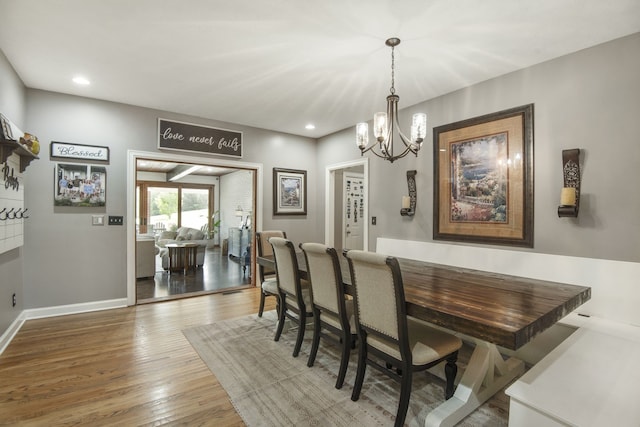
<point x="9" y="146"/>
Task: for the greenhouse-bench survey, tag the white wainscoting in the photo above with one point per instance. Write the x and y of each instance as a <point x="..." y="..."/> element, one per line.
<point x="11" y="200"/>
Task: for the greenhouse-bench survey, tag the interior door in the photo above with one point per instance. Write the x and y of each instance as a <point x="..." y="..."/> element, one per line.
<point x="353" y="210"/>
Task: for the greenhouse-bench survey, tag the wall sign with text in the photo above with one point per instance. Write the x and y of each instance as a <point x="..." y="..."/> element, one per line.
<point x="64" y="150"/>
<point x="190" y="137"/>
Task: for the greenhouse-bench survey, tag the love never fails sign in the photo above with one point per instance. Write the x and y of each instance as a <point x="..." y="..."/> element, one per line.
<point x="191" y="137"/>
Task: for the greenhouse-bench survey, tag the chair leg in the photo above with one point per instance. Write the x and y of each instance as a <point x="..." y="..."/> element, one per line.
<point x="362" y="366"/>
<point x="450" y="372"/>
<point x="262" y="298"/>
<point x="405" y="394"/>
<point x="344" y="358"/>
<point x="316" y="338"/>
<point x="281" y="318"/>
<point x="302" y="323"/>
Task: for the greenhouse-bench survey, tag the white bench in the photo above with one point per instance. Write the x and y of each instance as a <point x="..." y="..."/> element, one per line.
<point x="590" y="379"/>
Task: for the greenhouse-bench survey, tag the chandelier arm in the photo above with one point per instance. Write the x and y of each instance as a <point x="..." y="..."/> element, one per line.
<point x="392" y="108"/>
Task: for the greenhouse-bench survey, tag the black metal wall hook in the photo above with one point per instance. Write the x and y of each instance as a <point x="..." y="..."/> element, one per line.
<point x="9" y="216"/>
<point x="22" y="215"/>
<point x="18" y="214"/>
<point x="5" y="215"/>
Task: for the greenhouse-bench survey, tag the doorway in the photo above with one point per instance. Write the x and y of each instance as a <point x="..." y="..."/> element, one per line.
<point x="347" y="205"/>
<point x="190" y="203"/>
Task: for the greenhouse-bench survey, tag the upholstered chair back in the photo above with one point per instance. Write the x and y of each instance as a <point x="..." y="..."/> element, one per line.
<point x="265" y="249"/>
<point x="378" y="289"/>
<point x="325" y="280"/>
<point x="286" y="265"/>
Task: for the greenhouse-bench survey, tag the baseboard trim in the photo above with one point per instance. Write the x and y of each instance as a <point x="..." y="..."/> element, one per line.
<point x="11" y="332"/>
<point x="61" y="310"/>
<point x="85" y="307"/>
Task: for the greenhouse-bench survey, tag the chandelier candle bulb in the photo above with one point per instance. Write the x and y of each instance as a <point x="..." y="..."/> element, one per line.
<point x="362" y="135"/>
<point x="380" y="125"/>
<point x="568" y="196"/>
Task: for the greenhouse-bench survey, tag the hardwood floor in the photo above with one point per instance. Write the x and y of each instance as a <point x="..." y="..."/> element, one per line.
<point x="129" y="366"/>
<point x="219" y="272"/>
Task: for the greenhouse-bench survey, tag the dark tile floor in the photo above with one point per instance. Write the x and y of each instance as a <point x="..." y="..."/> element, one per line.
<point x="218" y="274"/>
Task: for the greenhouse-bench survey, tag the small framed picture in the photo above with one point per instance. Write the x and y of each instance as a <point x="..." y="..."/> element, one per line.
<point x="289" y="192"/>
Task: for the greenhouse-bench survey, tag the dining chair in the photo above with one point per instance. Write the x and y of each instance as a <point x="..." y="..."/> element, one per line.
<point x="331" y="310"/>
<point x="295" y="299"/>
<point x="386" y="333"/>
<point x="268" y="280"/>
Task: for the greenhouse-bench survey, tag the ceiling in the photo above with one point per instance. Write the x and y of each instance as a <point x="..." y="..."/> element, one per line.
<point x="281" y="64"/>
<point x="146" y="165"/>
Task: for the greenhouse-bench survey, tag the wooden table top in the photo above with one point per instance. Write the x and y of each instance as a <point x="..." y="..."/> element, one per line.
<point x="502" y="309"/>
<point x="181" y="245"/>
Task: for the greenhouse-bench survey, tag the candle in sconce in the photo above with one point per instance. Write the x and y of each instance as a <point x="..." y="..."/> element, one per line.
<point x="406" y="202"/>
<point x="568" y="196"/>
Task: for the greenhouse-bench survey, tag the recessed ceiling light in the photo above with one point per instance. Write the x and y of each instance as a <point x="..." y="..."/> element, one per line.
<point x="79" y="80"/>
<point x="310" y="126"/>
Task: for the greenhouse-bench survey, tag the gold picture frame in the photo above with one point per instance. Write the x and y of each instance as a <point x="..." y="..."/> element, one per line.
<point x="483" y="179"/>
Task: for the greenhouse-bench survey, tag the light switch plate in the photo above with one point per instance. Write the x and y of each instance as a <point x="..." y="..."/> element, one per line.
<point x="97" y="219"/>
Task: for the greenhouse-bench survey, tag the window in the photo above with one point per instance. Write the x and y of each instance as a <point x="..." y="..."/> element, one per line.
<point x="167" y="206"/>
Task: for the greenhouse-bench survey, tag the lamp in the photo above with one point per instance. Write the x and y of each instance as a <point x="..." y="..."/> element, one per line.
<point x="385" y="123"/>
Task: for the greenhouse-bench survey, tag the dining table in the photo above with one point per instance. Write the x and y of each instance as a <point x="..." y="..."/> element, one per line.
<point x="490" y="310"/>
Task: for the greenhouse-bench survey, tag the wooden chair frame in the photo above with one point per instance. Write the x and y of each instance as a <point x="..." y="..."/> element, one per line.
<point x="343" y="337"/>
<point x="404" y="368"/>
<point x="297" y="314"/>
<point x="262" y="273"/>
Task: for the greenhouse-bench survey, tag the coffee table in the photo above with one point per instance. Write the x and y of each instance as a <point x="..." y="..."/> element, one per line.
<point x="182" y="256"/>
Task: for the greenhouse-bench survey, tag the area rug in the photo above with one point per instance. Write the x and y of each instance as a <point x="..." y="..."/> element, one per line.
<point x="269" y="387"/>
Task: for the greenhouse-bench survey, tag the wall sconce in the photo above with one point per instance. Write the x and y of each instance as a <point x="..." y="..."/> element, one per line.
<point x="570" y="195"/>
<point x="409" y="202"/>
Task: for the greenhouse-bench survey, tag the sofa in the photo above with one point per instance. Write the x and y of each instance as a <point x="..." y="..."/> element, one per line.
<point x="183" y="235"/>
<point x="146" y="251"/>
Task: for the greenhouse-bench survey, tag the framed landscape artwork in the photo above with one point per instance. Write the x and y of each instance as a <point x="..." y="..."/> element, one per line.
<point x="289" y="192"/>
<point x="483" y="179"/>
<point x="79" y="185"/>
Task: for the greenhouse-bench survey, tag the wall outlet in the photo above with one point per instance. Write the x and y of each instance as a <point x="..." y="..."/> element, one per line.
<point x="14" y="300"/>
<point x="97" y="219"/>
<point x="374" y="220"/>
<point x="115" y="220"/>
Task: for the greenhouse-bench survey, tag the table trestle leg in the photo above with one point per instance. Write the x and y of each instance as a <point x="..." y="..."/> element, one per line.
<point x="485" y="375"/>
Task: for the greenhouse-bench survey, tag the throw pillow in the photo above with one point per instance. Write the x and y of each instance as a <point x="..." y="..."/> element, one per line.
<point x="179" y="238"/>
<point x="197" y="235"/>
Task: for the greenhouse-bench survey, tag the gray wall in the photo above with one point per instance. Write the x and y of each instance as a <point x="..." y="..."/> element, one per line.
<point x="588" y="100"/>
<point x="77" y="262"/>
<point x="12" y="105"/>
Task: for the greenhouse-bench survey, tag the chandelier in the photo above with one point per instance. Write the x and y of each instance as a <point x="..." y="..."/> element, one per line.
<point x="384" y="125"/>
